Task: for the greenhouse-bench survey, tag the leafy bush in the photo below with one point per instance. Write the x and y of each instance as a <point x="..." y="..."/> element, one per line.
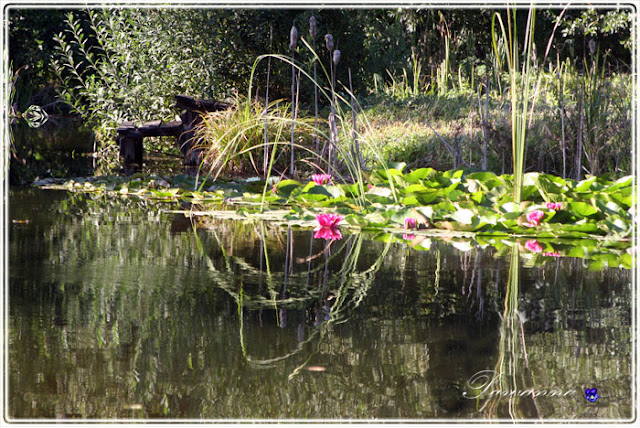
<point x="127" y="64"/>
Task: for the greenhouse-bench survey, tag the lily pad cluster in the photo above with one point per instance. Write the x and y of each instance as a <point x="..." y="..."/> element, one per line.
<point x="591" y="219"/>
<point x="423" y="199"/>
<point x="479" y="202"/>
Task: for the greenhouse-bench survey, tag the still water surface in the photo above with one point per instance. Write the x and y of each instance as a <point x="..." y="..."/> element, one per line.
<point x="120" y="310"/>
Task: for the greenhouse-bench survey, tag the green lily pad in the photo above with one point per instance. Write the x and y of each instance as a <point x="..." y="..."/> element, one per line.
<point x="582" y="209"/>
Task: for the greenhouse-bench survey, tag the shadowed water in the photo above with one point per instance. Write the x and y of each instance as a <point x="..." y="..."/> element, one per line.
<point x="118" y="309"/>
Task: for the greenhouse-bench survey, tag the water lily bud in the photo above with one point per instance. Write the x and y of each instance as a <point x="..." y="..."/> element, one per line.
<point x="336" y="57"/>
<point x="312" y="27"/>
<point x="328" y="40"/>
<point x="293" y="38"/>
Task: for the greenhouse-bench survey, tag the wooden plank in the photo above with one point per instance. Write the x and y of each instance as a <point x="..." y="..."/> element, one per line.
<point x="129" y="132"/>
<point x="212" y="105"/>
<point x="125" y="126"/>
<point x="164" y="130"/>
<point x="190" y="103"/>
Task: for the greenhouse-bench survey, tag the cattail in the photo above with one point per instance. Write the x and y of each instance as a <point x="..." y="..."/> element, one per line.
<point x="312" y="27"/>
<point x="293" y="38"/>
<point x="534" y="55"/>
<point x="336" y="57"/>
<point x="328" y="39"/>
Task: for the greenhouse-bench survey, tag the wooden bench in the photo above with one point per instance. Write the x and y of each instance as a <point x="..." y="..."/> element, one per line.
<point x="130" y="136"/>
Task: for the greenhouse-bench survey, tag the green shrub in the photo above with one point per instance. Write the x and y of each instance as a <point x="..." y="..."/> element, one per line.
<point x="128" y="64"/>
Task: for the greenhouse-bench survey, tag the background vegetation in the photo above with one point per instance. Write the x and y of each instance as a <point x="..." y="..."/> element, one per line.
<point x="407" y="65"/>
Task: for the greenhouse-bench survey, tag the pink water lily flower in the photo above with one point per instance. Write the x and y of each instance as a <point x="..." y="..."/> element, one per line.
<point x="328" y="226"/>
<point x="533" y="246"/>
<point x="328" y="220"/>
<point x="554" y="205"/>
<point x="534" y="218"/>
<point x="321" y="179"/>
<point x="410" y="223"/>
<point x="551" y="254"/>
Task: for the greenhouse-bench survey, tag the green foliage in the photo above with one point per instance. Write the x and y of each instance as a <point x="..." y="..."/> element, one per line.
<point x="600" y="24"/>
<point x="128" y="64"/>
<point x="31" y="43"/>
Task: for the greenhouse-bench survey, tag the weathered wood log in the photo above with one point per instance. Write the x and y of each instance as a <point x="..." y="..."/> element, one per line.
<point x="130" y="137"/>
<point x="159" y="129"/>
<point x="186" y="139"/>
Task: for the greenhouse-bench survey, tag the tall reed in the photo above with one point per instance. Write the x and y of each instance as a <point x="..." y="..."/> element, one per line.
<point x="597" y="108"/>
<point x="293" y="42"/>
<point x="524" y="82"/>
<point x="561" y="77"/>
<point x="265" y="155"/>
<point x="313" y="31"/>
<point x="519" y="91"/>
<point x="328" y="39"/>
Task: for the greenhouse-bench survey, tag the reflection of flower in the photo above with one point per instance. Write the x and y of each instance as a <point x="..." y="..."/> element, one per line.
<point x="328" y="227"/>
<point x="554" y="205"/>
<point x="332" y="233"/>
<point x="408" y="236"/>
<point x="550" y="254"/>
<point x="410" y="223"/>
<point x="533" y="246"/>
<point x="321" y="179"/>
<point x="534" y="218"/>
<point x="591" y="394"/>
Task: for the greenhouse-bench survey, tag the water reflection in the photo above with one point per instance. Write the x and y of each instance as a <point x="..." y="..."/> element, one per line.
<point x="118" y="310"/>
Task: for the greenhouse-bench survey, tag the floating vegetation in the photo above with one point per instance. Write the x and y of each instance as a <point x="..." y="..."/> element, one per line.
<point x="425" y="202"/>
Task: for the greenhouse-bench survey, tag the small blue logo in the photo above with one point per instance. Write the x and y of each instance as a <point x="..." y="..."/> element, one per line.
<point x="591" y="394"/>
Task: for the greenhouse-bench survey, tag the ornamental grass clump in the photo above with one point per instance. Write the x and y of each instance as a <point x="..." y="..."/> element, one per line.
<point x="225" y="144"/>
<point x="230" y="139"/>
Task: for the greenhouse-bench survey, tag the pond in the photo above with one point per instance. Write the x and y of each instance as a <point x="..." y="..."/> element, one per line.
<point x="119" y="309"/>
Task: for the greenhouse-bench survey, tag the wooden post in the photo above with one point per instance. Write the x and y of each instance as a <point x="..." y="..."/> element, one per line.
<point x="130" y="141"/>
